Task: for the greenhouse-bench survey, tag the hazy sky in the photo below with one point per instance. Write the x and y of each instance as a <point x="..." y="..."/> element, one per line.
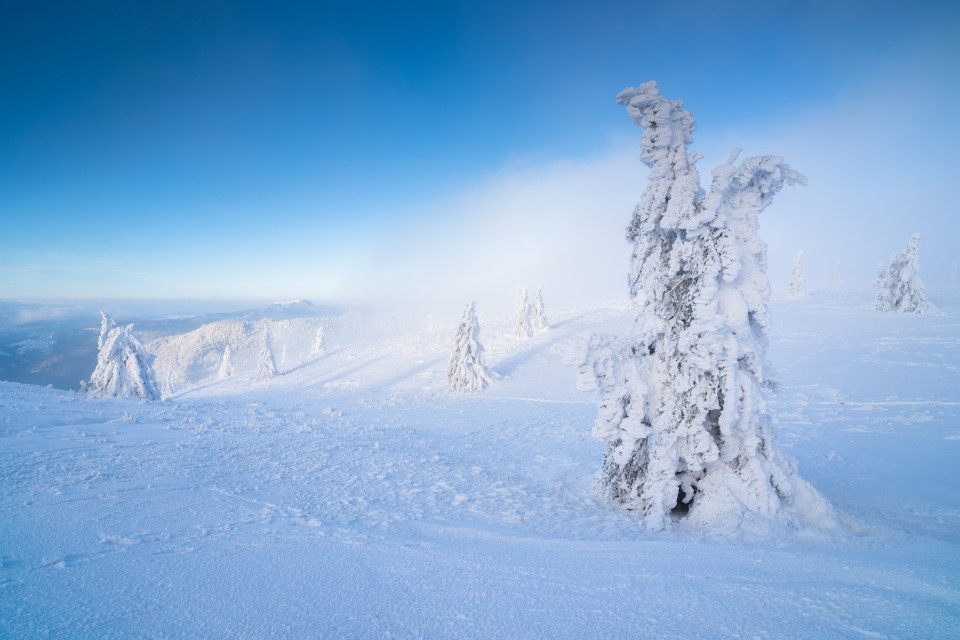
<point x="450" y="150"/>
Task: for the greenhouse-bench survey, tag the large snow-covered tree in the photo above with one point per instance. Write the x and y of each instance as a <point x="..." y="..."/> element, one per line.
<point x="682" y="399"/>
<point x="468" y="373"/>
<point x="124" y="368"/>
<point x="898" y="285"/>
<point x="538" y="317"/>
<point x="266" y="367"/>
<point x="798" y="277"/>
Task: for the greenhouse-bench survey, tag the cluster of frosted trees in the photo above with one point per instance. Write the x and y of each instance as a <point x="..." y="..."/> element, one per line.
<point x="531" y="318"/>
<point x="682" y="398"/>
<point x="124" y="368"/>
<point x="898" y="284"/>
<point x="468" y="372"/>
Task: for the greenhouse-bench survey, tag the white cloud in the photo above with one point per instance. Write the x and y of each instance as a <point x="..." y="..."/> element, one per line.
<point x="561" y="225"/>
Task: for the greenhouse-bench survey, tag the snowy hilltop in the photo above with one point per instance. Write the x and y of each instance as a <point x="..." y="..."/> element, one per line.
<point x="682" y="399"/>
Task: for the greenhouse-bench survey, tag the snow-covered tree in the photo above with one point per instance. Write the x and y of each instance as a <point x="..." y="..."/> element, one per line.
<point x="124" y="368"/>
<point x="682" y="399"/>
<point x="226" y="365"/>
<point x="898" y="285"/>
<point x="106" y="324"/>
<point x="538" y="318"/>
<point x="798" y="277"/>
<point x="522" y="328"/>
<point x="468" y="373"/>
<point x="317" y="348"/>
<point x="266" y="367"/>
<point x="171" y="384"/>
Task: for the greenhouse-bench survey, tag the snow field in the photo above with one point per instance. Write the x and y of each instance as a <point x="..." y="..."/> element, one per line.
<point x="350" y="496"/>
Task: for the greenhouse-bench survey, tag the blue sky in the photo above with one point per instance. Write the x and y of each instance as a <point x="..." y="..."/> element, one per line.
<point x="351" y="150"/>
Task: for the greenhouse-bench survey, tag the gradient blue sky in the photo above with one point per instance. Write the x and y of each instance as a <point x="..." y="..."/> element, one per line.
<point x="342" y="150"/>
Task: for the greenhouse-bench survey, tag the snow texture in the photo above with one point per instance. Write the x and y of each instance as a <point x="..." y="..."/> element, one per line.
<point x="468" y="372"/>
<point x="123" y="366"/>
<point x="898" y="285"/>
<point x="682" y="400"/>
<point x="798" y="277"/>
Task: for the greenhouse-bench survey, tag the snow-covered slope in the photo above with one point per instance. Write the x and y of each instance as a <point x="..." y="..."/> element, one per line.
<point x="352" y="497"/>
<point x="57" y="344"/>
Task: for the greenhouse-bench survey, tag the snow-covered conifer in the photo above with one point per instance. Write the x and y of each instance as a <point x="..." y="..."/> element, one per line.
<point x="226" y="365"/>
<point x="682" y="402"/>
<point x="538" y="318"/>
<point x="124" y="368"/>
<point x="106" y="324"/>
<point x="317" y="348"/>
<point x="171" y="384"/>
<point x="798" y="277"/>
<point x="266" y="367"/>
<point x="898" y="286"/>
<point x="468" y="373"/>
<point x="522" y="328"/>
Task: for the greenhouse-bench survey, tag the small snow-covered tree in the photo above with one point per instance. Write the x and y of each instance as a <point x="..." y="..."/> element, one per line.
<point x="798" y="277"/>
<point x="226" y="365"/>
<point x="898" y="286"/>
<point x="171" y="384"/>
<point x="266" y="367"/>
<point x="468" y="373"/>
<point x="124" y="368"/>
<point x="317" y="348"/>
<point x="522" y="328"/>
<point x="538" y="318"/>
<point x="682" y="400"/>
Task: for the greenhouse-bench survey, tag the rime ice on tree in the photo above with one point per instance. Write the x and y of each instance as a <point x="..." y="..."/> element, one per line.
<point x="682" y="401"/>
<point x="538" y="318"/>
<point x="468" y="373"/>
<point x="266" y="367"/>
<point x="317" y="348"/>
<point x="226" y="365"/>
<point x="522" y="329"/>
<point x="898" y="286"/>
<point x="106" y="324"/>
<point x="798" y="277"/>
<point x="123" y="365"/>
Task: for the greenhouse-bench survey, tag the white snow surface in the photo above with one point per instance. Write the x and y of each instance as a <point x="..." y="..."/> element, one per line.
<point x="351" y="496"/>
